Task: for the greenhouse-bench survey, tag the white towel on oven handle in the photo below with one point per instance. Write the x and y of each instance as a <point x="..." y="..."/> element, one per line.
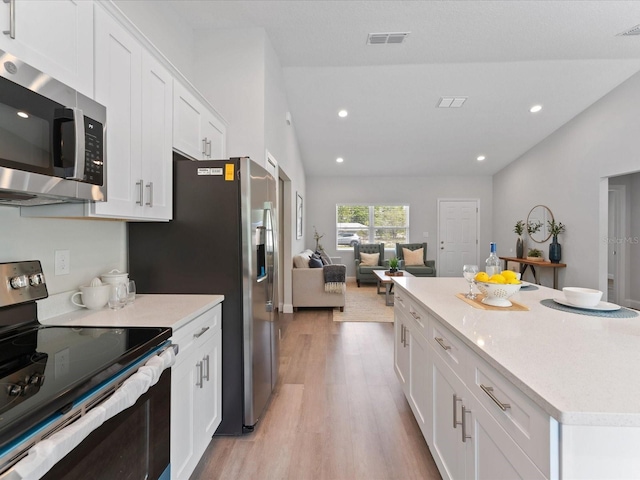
<point x="46" y="453"/>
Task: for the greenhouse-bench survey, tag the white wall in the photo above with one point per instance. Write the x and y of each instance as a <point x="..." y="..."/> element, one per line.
<point x="165" y="29"/>
<point x="567" y="173"/>
<point x="420" y="193"/>
<point x="95" y="246"/>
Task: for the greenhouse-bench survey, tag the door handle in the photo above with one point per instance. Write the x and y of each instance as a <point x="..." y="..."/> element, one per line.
<point x="201" y="332"/>
<point x="455" y="408"/>
<point x="199" y="380"/>
<point x="465" y="437"/>
<point x="12" y="19"/>
<point x="141" y="192"/>
<point x="206" y="375"/>
<point x="208" y="149"/>
<point x="150" y="187"/>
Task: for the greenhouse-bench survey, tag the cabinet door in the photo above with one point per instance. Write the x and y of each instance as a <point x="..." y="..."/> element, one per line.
<point x="55" y="36"/>
<point x="449" y="394"/>
<point x="401" y="350"/>
<point x="495" y="454"/>
<point x="188" y="113"/>
<point x="118" y="87"/>
<point x="184" y="377"/>
<point x="420" y="394"/>
<point x="215" y="138"/>
<point x="157" y="127"/>
<point x="208" y="399"/>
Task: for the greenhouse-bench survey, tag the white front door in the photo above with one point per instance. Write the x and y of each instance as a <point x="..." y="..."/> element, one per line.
<point x="457" y="236"/>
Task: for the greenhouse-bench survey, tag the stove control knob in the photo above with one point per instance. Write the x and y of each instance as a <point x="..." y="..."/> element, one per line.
<point x="19" y="282"/>
<point x="37" y="380"/>
<point x="36" y="279"/>
<point x="15" y="389"/>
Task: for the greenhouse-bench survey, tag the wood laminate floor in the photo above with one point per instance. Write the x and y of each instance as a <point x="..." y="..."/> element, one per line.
<point x="338" y="411"/>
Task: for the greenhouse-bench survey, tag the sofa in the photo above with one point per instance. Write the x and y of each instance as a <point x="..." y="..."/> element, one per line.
<point x="426" y="269"/>
<point x="308" y="285"/>
<point x="364" y="273"/>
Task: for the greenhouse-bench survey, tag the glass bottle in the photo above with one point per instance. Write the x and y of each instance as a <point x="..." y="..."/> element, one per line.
<point x="493" y="262"/>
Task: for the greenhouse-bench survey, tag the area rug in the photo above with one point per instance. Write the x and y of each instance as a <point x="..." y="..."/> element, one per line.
<point x="363" y="305"/>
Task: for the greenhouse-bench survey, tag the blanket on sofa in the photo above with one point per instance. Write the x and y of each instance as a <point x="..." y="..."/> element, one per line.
<point x="334" y="278"/>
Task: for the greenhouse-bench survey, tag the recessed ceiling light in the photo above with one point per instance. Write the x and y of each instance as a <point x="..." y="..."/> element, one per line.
<point x="481" y="158"/>
<point x="343" y="113"/>
<point x="535" y="108"/>
<point x="339" y="159"/>
<point x="23" y="115"/>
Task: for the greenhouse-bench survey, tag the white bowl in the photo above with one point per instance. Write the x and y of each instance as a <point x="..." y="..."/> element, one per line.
<point x="496" y="294"/>
<point x="582" y="297"/>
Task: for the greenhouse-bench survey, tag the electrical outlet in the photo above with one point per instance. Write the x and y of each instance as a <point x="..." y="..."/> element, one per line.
<point x="61" y="363"/>
<point x="62" y="261"/>
<point x="425" y="234"/>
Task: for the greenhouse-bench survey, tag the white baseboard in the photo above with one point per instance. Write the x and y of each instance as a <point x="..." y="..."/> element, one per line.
<point x="287" y="308"/>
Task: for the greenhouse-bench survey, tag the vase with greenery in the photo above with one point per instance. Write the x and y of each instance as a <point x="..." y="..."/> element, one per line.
<point x="555" y="249"/>
<point x="393" y="265"/>
<point x="519" y="229"/>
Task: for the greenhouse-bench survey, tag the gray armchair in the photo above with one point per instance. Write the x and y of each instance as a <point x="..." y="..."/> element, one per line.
<point x="364" y="273"/>
<point x="426" y="270"/>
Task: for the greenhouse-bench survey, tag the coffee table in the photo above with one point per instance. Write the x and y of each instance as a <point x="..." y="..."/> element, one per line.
<point x="387" y="281"/>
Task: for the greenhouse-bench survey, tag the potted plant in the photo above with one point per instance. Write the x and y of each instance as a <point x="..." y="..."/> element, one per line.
<point x="555" y="249"/>
<point x="535" y="255"/>
<point x="393" y="265"/>
<point x="519" y="229"/>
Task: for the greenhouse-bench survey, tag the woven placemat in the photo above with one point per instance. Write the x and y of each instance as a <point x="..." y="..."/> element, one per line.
<point x="477" y="303"/>
<point x="530" y="287"/>
<point x="622" y="313"/>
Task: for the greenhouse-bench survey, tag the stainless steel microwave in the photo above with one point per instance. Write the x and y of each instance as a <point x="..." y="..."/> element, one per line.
<point x="52" y="139"/>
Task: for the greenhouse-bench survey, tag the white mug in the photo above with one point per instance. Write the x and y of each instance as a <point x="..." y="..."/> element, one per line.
<point x="93" y="298"/>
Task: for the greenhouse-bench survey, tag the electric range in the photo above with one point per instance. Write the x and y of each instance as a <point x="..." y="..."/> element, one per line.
<point x="45" y="370"/>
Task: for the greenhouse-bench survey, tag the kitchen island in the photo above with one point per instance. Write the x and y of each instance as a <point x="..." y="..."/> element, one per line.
<point x="539" y="393"/>
<point x="196" y="376"/>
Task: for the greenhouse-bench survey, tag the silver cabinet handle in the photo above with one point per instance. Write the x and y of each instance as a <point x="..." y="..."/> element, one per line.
<point x="208" y="149"/>
<point x="204" y="146"/>
<point x="465" y="437"/>
<point x="402" y="334"/>
<point x="489" y="391"/>
<point x="12" y="19"/>
<point x="455" y="411"/>
<point x="201" y="332"/>
<point x="150" y="187"/>
<point x="441" y="343"/>
<point x="398" y="297"/>
<point x="199" y="380"/>
<point x="206" y="375"/>
<point x="406" y="341"/>
<point x="415" y="315"/>
<point x="141" y="192"/>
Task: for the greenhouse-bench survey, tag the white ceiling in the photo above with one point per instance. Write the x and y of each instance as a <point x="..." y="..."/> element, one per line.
<point x="503" y="55"/>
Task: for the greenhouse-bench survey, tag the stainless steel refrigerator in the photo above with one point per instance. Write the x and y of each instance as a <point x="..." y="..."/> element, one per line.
<point x="222" y="240"/>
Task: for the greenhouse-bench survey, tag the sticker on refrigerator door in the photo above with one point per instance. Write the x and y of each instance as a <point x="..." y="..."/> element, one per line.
<point x="229" y="170"/>
<point x="209" y="171"/>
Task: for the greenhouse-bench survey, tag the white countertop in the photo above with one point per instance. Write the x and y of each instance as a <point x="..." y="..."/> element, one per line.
<point x="147" y="311"/>
<point x="582" y="370"/>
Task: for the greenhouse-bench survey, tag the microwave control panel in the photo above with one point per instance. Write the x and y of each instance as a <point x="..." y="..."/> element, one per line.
<point x="94" y="152"/>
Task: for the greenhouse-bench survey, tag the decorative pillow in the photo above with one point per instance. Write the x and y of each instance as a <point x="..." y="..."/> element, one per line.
<point x="369" y="259"/>
<point x="302" y="259"/>
<point x="315" y="261"/>
<point x="324" y="257"/>
<point x="413" y="257"/>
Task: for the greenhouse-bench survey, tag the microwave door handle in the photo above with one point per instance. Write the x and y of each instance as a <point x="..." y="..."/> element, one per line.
<point x="79" y="160"/>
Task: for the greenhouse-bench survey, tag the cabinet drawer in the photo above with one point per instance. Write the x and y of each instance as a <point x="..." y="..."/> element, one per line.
<point x="448" y="346"/>
<point x="519" y="416"/>
<point x="413" y="311"/>
<point x="401" y="300"/>
<point x="197" y="331"/>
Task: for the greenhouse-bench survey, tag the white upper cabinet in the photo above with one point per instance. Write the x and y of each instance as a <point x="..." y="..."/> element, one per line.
<point x="55" y="36"/>
<point x="197" y="132"/>
<point x="137" y="92"/>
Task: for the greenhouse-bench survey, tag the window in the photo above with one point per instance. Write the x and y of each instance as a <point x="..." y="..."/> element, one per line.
<point x="371" y="224"/>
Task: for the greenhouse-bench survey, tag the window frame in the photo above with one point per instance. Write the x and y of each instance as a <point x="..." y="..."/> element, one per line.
<point x="372" y="227"/>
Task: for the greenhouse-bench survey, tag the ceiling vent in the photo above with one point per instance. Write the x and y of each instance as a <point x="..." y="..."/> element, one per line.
<point x="389" y="38"/>
<point x="451" y="102"/>
<point x="632" y="31"/>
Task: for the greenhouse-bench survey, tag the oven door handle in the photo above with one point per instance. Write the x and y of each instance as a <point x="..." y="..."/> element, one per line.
<point x="46" y="453"/>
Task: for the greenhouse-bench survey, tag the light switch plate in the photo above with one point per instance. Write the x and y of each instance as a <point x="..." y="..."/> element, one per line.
<point x="62" y="260"/>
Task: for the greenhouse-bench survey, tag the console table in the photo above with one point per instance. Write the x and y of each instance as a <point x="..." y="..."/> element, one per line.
<point x="524" y="263"/>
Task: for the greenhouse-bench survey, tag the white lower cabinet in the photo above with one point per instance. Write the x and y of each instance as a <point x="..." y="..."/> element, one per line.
<point x="476" y="423"/>
<point x="196" y="391"/>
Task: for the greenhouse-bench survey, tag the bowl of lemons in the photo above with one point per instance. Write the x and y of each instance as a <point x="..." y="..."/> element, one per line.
<point x="498" y="288"/>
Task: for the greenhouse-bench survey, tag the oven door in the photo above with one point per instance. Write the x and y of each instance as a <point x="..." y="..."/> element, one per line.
<point x="120" y="429"/>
